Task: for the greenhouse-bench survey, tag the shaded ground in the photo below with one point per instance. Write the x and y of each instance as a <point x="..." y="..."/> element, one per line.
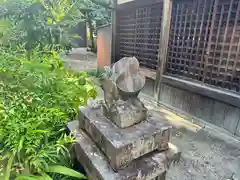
<point x="205" y="154"/>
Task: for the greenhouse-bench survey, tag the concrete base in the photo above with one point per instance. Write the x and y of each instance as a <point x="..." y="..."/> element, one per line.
<point x="121" y="146"/>
<point x="152" y="166"/>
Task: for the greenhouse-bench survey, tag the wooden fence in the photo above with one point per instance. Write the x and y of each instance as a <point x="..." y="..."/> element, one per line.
<point x="198" y="40"/>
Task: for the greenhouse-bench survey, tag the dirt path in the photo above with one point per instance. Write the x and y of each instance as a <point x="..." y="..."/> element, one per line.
<point x="80" y="60"/>
<point x="204" y="156"/>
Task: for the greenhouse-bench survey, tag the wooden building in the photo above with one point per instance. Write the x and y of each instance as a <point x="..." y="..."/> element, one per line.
<point x="189" y="50"/>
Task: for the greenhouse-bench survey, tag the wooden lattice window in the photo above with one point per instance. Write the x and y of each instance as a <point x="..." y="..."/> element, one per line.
<point x="190" y="27"/>
<point x="223" y="60"/>
<point x="205" y="42"/>
<point x="138" y="32"/>
<point x="126" y="32"/>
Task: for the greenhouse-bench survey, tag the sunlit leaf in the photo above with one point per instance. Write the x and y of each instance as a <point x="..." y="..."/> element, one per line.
<point x="29" y="178"/>
<point x="9" y="167"/>
<point x="45" y="176"/>
<point x="65" y="171"/>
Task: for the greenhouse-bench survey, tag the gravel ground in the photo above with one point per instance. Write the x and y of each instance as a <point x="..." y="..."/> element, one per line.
<point x="206" y="155"/>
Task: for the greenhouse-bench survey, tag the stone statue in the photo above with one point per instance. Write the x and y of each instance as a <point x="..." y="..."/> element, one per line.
<point x="109" y="87"/>
<point x="115" y="135"/>
<point x="121" y="85"/>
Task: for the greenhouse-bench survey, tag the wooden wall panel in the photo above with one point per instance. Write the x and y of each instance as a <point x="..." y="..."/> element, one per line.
<point x="218" y="113"/>
<point x="195" y="99"/>
<point x="165" y="94"/>
<point x="186" y="102"/>
<point x="231" y="117"/>
<point x="215" y="112"/>
<point x="176" y="97"/>
<point x="238" y="128"/>
<point x="204" y="108"/>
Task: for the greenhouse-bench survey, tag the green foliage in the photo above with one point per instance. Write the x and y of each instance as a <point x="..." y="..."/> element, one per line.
<point x="38" y="97"/>
<point x="100" y="11"/>
<point x="53" y="169"/>
<point x="35" y="23"/>
<point x="65" y="171"/>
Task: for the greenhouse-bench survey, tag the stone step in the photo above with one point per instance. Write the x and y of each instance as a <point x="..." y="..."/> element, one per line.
<point x="121" y="146"/>
<point x="149" y="167"/>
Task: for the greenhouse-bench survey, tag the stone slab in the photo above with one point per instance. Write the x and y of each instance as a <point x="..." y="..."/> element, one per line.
<point x="121" y="146"/>
<point x="149" y="167"/>
<point x="160" y="177"/>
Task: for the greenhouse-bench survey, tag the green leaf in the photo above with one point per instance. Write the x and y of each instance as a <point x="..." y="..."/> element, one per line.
<point x="29" y="178"/>
<point x="45" y="176"/>
<point x="5" y="156"/>
<point x="40" y="131"/>
<point x="65" y="171"/>
<point x="20" y="145"/>
<point x="9" y="167"/>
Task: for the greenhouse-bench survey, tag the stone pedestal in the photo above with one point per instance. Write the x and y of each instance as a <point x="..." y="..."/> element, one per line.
<point x="122" y="145"/>
<point x="152" y="166"/>
<point x="107" y="152"/>
<point x="128" y="113"/>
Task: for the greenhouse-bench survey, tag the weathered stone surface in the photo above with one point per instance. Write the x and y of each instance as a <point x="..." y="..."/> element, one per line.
<point x="160" y="177"/>
<point x="149" y="167"/>
<point x="121" y="86"/>
<point x="127" y="113"/>
<point x="121" y="146"/>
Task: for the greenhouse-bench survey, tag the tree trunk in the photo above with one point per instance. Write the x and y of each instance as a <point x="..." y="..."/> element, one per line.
<point x="91" y="32"/>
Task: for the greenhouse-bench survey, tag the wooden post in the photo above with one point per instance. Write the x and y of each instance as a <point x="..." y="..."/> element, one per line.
<point x="163" y="45"/>
<point x="210" y="37"/>
<point x="114" y="34"/>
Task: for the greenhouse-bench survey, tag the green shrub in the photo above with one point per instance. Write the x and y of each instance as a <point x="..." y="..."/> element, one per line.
<point x="38" y="97"/>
